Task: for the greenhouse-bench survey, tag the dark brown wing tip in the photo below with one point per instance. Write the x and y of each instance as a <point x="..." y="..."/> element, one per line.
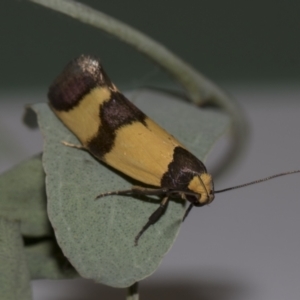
<point x="78" y="78"/>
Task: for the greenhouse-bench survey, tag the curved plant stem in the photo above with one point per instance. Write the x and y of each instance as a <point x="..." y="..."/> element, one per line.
<point x="199" y="89"/>
<point x="133" y="292"/>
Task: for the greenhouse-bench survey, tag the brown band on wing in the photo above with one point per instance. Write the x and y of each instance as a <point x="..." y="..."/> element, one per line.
<point x="79" y="77"/>
<point x="117" y="112"/>
<point x="182" y="169"/>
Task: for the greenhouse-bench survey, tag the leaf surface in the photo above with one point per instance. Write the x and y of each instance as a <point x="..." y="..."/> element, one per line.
<point x="98" y="236"/>
<point x="23" y="197"/>
<point x="46" y="261"/>
<point x="14" y="274"/>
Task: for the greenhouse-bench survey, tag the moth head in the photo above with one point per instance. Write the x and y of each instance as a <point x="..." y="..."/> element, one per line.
<point x="203" y="187"/>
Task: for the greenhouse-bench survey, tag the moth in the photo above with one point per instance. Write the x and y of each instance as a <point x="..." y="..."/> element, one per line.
<point x="116" y="132"/>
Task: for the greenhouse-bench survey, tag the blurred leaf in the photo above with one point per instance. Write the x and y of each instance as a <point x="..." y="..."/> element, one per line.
<point x="14" y="275"/>
<point x="23" y="197"/>
<point x="46" y="261"/>
<point x="30" y="118"/>
<point x="98" y="236"/>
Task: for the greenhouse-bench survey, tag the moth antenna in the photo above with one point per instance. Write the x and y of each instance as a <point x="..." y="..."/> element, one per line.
<point x="257" y="181"/>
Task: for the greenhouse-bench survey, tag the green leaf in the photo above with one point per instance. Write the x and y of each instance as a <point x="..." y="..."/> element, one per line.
<point x="46" y="261"/>
<point x="23" y="197"/>
<point x="98" y="236"/>
<point x="14" y="275"/>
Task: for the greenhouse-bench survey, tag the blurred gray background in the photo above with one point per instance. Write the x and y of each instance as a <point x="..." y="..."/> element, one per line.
<point x="246" y="244"/>
<point x="256" y="41"/>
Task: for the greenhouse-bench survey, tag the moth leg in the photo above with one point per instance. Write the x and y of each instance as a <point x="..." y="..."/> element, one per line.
<point x="153" y="218"/>
<point x="121" y="192"/>
<point x="73" y="145"/>
<point x="136" y="190"/>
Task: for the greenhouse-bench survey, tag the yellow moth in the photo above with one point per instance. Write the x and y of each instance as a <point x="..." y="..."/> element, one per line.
<point x="117" y="133"/>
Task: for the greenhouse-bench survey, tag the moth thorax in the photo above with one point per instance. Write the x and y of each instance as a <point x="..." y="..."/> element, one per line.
<point x="202" y="184"/>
